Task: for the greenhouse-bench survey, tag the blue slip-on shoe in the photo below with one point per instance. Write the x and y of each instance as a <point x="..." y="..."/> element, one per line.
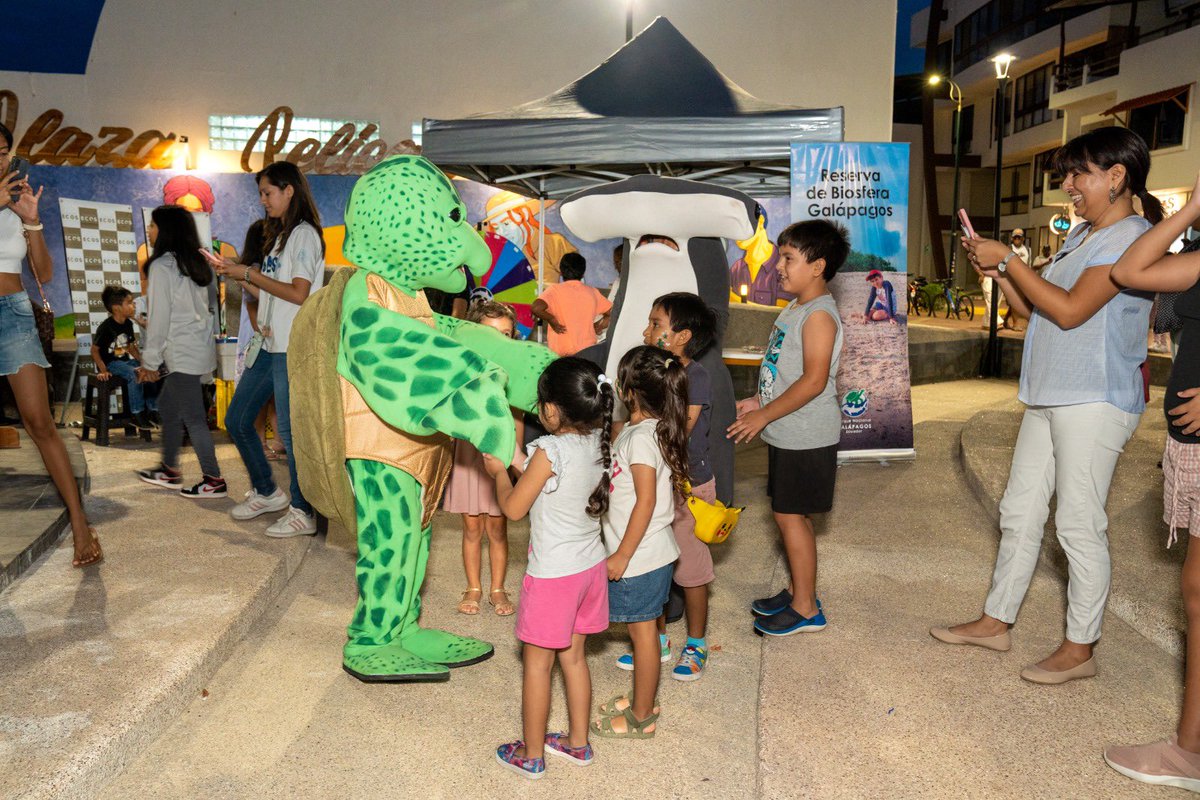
<point x="773" y="605"/>
<point x="557" y="744"/>
<point x="788" y="621"/>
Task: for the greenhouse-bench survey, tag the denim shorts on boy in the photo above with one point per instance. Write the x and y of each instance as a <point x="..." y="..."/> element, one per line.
<point x="801" y="481"/>
<point x="695" y="564"/>
<point x="551" y="610"/>
<point x="641" y="597"/>
<point x="19" y="342"/>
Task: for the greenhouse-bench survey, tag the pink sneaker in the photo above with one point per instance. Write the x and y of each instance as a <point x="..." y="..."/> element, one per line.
<point x="1161" y="763"/>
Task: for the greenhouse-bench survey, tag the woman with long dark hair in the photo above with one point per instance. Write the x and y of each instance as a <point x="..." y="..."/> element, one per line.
<point x="1081" y="382"/>
<point x="180" y="326"/>
<point x="22" y="360"/>
<point x="293" y="264"/>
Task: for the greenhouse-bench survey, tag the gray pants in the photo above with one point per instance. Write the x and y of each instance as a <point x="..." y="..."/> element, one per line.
<point x="181" y="403"/>
<point x="1071" y="452"/>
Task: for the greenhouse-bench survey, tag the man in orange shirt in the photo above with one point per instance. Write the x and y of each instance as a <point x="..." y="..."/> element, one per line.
<point x="570" y="308"/>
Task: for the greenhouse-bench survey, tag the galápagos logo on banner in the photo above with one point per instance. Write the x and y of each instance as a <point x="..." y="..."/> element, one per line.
<point x="854" y="404"/>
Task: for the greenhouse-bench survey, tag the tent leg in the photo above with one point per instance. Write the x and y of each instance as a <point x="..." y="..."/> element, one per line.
<point x="541" y="246"/>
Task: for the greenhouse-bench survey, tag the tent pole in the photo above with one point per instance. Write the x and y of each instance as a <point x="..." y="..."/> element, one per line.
<point x="541" y="244"/>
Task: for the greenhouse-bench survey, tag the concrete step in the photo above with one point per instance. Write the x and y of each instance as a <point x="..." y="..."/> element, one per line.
<point x="97" y="662"/>
<point x="1145" y="574"/>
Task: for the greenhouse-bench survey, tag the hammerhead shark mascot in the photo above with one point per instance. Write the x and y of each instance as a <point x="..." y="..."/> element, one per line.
<point x="694" y="217"/>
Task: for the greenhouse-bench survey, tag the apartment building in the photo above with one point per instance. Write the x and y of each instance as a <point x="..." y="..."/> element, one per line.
<point x="1079" y="65"/>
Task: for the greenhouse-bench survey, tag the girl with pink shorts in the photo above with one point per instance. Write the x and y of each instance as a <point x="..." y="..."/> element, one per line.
<point x="564" y="595"/>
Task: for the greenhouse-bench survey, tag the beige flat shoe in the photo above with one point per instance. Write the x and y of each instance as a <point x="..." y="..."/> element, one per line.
<point x="1035" y="674"/>
<point x="1001" y="642"/>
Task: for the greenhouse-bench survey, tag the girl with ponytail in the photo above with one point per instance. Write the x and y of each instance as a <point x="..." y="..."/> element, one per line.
<point x="650" y="465"/>
<point x="1081" y="381"/>
<point x="564" y="595"/>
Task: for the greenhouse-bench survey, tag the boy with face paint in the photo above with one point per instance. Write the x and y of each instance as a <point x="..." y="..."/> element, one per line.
<point x="682" y="324"/>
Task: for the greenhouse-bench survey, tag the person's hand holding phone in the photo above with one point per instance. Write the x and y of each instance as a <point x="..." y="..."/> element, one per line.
<point x="222" y="265"/>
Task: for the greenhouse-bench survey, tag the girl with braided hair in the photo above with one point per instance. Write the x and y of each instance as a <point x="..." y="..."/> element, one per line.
<point x="650" y="465"/>
<point x="564" y="595"/>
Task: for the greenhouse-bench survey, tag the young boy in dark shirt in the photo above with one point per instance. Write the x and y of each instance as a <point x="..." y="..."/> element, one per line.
<point x="682" y="324"/>
<point x="114" y="352"/>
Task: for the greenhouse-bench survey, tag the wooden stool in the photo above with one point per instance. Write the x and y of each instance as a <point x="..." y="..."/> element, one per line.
<point x="96" y="413"/>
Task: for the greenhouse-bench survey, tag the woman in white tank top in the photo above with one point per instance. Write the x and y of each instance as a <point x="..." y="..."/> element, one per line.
<point x="22" y="360"/>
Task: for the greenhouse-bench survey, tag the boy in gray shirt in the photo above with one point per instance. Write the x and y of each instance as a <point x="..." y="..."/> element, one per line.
<point x="796" y="411"/>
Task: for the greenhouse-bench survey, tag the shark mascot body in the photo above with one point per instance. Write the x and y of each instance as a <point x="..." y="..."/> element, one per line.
<point x="695" y="217"/>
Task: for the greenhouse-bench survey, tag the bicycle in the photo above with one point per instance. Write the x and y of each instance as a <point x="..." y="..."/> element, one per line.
<point x="945" y="296"/>
<point x="918" y="302"/>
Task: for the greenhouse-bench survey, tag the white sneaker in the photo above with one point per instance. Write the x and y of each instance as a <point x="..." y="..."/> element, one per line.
<point x="256" y="504"/>
<point x="294" y="523"/>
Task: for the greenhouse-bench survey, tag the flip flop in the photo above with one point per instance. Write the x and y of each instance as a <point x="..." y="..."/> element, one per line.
<point x="95" y="558"/>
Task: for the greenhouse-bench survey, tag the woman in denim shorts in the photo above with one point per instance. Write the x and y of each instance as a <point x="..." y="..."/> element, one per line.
<point x="21" y="356"/>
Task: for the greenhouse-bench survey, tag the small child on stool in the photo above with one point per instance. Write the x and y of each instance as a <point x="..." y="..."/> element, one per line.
<point x="114" y="352"/>
<point x="797" y="412"/>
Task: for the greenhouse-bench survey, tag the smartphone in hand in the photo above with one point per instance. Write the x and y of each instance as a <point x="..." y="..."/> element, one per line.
<point x="21" y="167"/>
<point x="966" y="223"/>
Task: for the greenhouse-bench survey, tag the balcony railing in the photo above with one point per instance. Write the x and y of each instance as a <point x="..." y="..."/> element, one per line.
<point x="1076" y="72"/>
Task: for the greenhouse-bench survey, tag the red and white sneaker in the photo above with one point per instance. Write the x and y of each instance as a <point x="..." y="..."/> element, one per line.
<point x="210" y="487"/>
<point x="294" y="523"/>
<point x="162" y="475"/>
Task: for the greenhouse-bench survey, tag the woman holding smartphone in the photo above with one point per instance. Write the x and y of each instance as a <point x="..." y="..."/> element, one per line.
<point x="1081" y="382"/>
<point x="21" y="358"/>
<point x="293" y="264"/>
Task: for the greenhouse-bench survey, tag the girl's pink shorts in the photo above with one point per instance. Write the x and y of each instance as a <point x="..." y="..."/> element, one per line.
<point x="553" y="609"/>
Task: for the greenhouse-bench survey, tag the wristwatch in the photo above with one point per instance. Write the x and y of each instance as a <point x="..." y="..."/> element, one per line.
<point x="1002" y="267"/>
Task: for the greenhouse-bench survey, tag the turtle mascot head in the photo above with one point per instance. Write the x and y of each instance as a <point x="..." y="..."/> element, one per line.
<point x="405" y="223"/>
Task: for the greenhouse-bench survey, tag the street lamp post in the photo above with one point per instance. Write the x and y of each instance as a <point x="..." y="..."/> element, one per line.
<point x="990" y="368"/>
<point x="956" y="98"/>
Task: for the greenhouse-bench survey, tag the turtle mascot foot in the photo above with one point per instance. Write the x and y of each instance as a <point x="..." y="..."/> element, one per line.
<point x="381" y="387"/>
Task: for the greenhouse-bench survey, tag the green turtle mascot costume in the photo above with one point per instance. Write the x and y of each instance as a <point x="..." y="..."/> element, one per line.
<point x="381" y="385"/>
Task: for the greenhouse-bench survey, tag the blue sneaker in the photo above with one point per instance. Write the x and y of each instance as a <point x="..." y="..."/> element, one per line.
<point x="532" y="768"/>
<point x="691" y="664"/>
<point x="773" y="605"/>
<point x="625" y="662"/>
<point x="788" y="621"/>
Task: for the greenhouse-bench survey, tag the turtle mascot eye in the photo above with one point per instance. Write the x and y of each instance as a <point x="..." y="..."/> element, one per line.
<point x="381" y="387"/>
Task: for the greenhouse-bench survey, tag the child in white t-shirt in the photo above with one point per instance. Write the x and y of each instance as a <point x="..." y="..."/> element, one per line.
<point x="564" y="595"/>
<point x="650" y="464"/>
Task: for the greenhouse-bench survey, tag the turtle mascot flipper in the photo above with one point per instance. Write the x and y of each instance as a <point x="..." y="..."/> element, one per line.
<point x="381" y="385"/>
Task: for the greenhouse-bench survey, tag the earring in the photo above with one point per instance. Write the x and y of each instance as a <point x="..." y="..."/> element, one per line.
<point x="1112" y="195"/>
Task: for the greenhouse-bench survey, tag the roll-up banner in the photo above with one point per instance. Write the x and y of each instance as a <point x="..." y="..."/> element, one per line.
<point x="864" y="187"/>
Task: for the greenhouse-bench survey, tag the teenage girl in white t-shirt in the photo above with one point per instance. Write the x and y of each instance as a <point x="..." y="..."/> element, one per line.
<point x="564" y="595"/>
<point x="650" y="464"/>
<point x="293" y="267"/>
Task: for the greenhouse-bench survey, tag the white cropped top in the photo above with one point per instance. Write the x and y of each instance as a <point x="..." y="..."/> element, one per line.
<point x="12" y="242"/>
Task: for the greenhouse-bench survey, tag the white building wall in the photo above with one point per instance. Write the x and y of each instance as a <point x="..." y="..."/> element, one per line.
<point x="169" y="65"/>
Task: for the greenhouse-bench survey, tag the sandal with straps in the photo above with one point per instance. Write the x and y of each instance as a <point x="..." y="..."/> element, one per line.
<point x="468" y="606"/>
<point x="634" y="728"/>
<point x="609" y="707"/>
<point x="504" y="608"/>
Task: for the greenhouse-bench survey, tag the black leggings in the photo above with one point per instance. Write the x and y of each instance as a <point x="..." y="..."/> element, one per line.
<point x="181" y="403"/>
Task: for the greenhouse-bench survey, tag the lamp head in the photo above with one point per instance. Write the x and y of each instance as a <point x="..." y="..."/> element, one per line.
<point x="1002" y="62"/>
<point x="934" y="80"/>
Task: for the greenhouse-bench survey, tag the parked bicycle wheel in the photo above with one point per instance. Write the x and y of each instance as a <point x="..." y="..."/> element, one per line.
<point x="964" y="306"/>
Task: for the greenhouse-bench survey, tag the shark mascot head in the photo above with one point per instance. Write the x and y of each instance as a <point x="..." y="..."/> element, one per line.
<point x="672" y="230"/>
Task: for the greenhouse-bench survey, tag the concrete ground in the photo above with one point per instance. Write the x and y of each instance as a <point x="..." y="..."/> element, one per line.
<point x="872" y="707"/>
